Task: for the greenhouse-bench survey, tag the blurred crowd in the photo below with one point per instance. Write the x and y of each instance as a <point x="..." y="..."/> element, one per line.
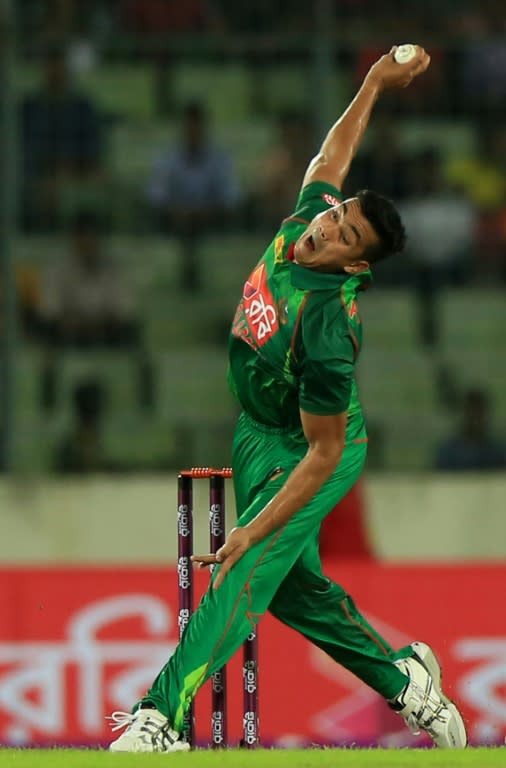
<point x="64" y="155"/>
<point x="358" y="20"/>
<point x="453" y="200"/>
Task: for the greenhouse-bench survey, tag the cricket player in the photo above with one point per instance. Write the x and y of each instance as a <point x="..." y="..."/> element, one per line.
<point x="299" y="446"/>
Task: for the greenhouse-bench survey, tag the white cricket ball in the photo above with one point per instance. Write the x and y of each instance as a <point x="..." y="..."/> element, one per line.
<point x="405" y="53"/>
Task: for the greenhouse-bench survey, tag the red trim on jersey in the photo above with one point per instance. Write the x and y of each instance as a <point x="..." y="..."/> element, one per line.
<point x="290" y="253"/>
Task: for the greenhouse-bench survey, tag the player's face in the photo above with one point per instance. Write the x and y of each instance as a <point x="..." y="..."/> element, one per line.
<point x="336" y="240"/>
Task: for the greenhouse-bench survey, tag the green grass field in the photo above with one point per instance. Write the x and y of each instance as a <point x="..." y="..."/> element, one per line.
<point x="309" y="758"/>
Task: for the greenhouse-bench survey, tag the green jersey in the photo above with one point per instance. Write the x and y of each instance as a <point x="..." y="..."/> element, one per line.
<point x="296" y="333"/>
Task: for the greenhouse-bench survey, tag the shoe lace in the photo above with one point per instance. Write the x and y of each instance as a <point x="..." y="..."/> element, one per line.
<point x="157" y="733"/>
<point x="121" y="719"/>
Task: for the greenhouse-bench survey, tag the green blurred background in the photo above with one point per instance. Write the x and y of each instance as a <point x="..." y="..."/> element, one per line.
<point x="119" y="280"/>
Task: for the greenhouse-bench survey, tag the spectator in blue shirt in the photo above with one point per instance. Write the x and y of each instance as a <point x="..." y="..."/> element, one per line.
<point x="192" y="188"/>
<point x="61" y="141"/>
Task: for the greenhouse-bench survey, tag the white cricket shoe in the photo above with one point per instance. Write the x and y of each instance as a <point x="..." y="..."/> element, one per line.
<point x="147" y="730"/>
<point x="423" y="704"/>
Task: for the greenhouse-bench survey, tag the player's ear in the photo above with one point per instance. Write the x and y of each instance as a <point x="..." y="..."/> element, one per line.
<point x="357" y="267"/>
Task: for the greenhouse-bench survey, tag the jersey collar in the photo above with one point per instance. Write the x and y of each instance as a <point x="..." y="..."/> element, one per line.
<point x="308" y="279"/>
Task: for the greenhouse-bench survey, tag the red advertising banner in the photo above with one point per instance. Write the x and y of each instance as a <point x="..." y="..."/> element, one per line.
<point x="78" y="643"/>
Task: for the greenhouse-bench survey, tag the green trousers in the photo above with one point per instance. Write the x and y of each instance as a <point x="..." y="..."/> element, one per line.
<point x="281" y="573"/>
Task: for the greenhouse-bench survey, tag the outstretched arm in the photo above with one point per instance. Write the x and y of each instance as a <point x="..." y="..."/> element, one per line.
<point x="339" y="147"/>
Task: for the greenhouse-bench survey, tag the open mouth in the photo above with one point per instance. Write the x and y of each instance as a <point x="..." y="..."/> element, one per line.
<point x="310" y="243"/>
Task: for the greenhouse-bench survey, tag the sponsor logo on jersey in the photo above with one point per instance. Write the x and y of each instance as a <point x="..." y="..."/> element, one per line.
<point x="256" y="319"/>
<point x="330" y="199"/>
<point x="254" y="282"/>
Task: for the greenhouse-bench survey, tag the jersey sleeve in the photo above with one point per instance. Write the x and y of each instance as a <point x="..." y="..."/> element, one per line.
<point x="328" y="359"/>
<point x="316" y="197"/>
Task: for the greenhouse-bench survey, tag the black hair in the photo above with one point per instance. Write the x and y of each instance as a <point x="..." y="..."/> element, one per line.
<point x="384" y="218"/>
